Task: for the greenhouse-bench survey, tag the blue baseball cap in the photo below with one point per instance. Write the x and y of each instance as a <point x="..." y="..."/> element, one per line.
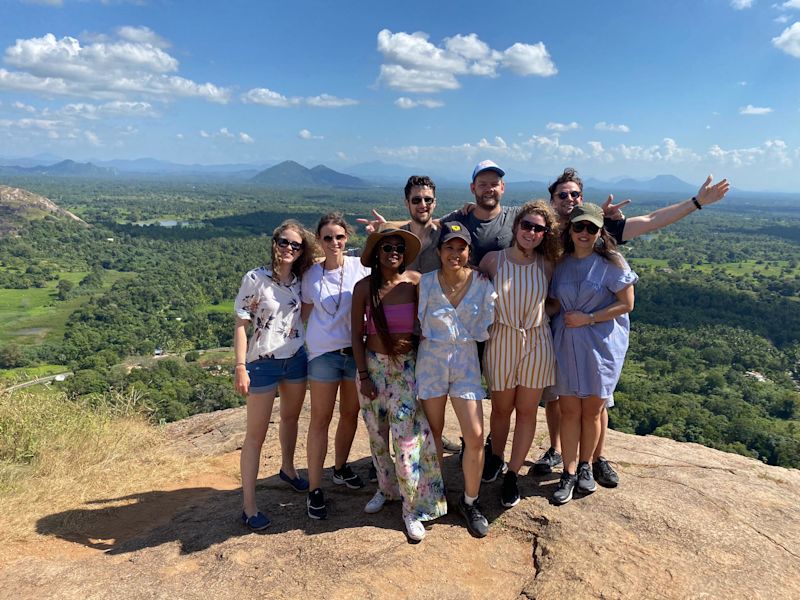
<point x="487" y="165"/>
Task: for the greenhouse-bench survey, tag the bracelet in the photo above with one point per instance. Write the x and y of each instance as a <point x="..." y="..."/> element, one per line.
<point x="696" y="203"/>
<point x="591" y="316"/>
<point x="363" y="371"/>
<point x="363" y="378"/>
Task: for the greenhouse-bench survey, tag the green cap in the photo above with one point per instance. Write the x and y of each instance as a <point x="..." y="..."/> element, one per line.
<point x="587" y="212"/>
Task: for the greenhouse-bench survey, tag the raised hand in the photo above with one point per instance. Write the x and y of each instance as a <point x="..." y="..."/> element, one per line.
<point x="372" y="225"/>
<point x="612" y="211"/>
<point x="708" y="194"/>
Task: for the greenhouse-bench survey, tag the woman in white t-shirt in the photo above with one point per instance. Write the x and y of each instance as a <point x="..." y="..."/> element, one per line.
<point x="274" y="358"/>
<point x="327" y="298"/>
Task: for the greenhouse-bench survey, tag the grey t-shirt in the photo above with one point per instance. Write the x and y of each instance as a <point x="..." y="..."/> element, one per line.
<point x="428" y="258"/>
<point x="494" y="234"/>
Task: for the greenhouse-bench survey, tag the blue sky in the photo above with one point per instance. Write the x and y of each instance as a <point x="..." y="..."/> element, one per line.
<point x="624" y="88"/>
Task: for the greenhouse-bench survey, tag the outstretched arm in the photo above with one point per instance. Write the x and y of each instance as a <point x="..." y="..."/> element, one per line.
<point x="378" y="221"/>
<point x="707" y="194"/>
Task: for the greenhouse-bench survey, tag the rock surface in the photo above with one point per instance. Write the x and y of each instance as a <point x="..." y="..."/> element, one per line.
<point x="685" y="522"/>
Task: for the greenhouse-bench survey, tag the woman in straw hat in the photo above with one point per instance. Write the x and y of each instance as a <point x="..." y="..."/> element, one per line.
<point x="383" y="319"/>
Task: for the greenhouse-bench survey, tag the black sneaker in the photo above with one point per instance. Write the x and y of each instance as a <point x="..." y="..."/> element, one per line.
<point x="586" y="484"/>
<point x="450" y="446"/>
<point x="509" y="495"/>
<point x="565" y="486"/>
<point x="372" y="474"/>
<point x="345" y="476"/>
<point x="493" y="467"/>
<point x="547" y="462"/>
<point x="477" y="524"/>
<point x="604" y="474"/>
<point x="315" y="503"/>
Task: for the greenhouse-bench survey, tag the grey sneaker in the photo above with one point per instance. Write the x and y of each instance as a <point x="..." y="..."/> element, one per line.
<point x="604" y="474"/>
<point x="565" y="487"/>
<point x="547" y="462"/>
<point x="586" y="484"/>
<point x="477" y="524"/>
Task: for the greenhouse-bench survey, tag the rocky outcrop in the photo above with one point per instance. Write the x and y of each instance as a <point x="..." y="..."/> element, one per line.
<point x="685" y="522"/>
<point x="18" y="206"/>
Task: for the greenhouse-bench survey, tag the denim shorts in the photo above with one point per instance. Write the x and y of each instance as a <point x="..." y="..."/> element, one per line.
<point x="332" y="367"/>
<point x="265" y="374"/>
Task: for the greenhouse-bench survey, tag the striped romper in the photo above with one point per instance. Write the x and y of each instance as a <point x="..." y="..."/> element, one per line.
<point x="520" y="347"/>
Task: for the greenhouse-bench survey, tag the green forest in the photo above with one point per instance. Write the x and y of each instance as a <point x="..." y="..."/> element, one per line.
<point x="715" y="333"/>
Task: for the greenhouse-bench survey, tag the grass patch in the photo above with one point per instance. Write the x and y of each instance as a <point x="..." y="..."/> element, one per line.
<point x="22" y="374"/>
<point x="58" y="454"/>
<point x="222" y="307"/>
<point x="35" y="315"/>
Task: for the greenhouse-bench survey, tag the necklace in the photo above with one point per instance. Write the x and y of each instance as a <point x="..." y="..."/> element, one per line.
<point x="453" y="289"/>
<point x="323" y="284"/>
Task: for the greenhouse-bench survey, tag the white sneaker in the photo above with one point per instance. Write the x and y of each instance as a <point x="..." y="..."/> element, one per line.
<point x="376" y="504"/>
<point x="414" y="528"/>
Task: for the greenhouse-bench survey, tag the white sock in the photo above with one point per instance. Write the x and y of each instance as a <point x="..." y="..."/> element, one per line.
<point x="469" y="500"/>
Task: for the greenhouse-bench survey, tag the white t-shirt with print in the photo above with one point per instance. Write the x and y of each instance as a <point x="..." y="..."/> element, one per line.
<point x="329" y="324"/>
<point x="274" y="310"/>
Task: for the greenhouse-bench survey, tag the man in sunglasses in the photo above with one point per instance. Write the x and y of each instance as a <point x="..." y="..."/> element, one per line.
<point x="566" y="193"/>
<point x="420" y="192"/>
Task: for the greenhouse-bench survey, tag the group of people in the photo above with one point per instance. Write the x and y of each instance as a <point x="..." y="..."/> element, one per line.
<point x="533" y="299"/>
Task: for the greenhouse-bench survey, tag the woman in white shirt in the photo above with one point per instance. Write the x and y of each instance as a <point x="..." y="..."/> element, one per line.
<point x="327" y="298"/>
<point x="274" y="358"/>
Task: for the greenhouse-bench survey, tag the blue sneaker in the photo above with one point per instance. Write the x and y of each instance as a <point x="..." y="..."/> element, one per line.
<point x="257" y="522"/>
<point x="297" y="483"/>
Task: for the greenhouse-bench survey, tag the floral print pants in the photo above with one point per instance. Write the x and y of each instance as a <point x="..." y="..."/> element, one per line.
<point x="414" y="474"/>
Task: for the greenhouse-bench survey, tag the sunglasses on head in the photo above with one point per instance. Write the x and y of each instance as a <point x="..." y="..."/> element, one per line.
<point x="579" y="226"/>
<point x="531" y="226"/>
<point x="329" y="238"/>
<point x="389" y="248"/>
<point x="284" y="243"/>
<point x="573" y="194"/>
<point x="426" y="199"/>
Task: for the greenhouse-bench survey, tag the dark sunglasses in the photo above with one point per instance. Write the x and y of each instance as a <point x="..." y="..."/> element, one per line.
<point x="426" y="199"/>
<point x="389" y="248"/>
<point x="329" y="238"/>
<point x="284" y="243"/>
<point x="579" y="226"/>
<point x="573" y="194"/>
<point x="531" y="226"/>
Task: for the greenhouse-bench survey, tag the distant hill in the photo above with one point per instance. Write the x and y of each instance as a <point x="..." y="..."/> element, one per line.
<point x="65" y="168"/>
<point x="292" y="174"/>
<point x="659" y="183"/>
<point x="18" y="207"/>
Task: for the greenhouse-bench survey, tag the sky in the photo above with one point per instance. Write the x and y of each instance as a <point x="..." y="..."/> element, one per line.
<point x="619" y="88"/>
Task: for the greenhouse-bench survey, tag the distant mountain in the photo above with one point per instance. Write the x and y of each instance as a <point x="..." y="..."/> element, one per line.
<point x="65" y="168"/>
<point x="660" y="183"/>
<point x="155" y="166"/>
<point x="292" y="174"/>
<point x="18" y="207"/>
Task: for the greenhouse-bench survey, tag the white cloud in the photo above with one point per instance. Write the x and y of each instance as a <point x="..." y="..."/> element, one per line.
<point x="245" y="138"/>
<point x="342" y="155"/>
<point x="667" y="151"/>
<point x="789" y="40"/>
<point x="414" y="64"/>
<point x="117" y="108"/>
<point x="134" y="65"/>
<point x="92" y="138"/>
<point x="741" y="4"/>
<point x="603" y="126"/>
<point x="204" y="134"/>
<point x="305" y="134"/>
<point x="23" y="107"/>
<point x="46" y="2"/>
<point x="791" y="4"/>
<point x="742" y="83"/>
<point x="45" y="124"/>
<point x="269" y="97"/>
<point x="223" y="133"/>
<point x="771" y="153"/>
<point x="407" y="103"/>
<point x="562" y="127"/>
<point x="782" y="19"/>
<point x="179" y="136"/>
<point x="754" y="110"/>
<point x="328" y="101"/>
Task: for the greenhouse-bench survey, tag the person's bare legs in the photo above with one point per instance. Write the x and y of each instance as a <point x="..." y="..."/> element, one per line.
<point x="323" y="399"/>
<point x="526" y="403"/>
<point x="348" y="422"/>
<point x="552" y="411"/>
<point x="259" y="410"/>
<point x="291" y="403"/>
<point x="470" y="417"/>
<point x="570" y="431"/>
<point x="500" y="419"/>
<point x="592" y="409"/>
<point x="434" y="411"/>
<point x="598" y="451"/>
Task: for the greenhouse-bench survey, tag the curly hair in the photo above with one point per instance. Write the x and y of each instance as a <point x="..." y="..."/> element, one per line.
<point x="569" y="174"/>
<point x="550" y="246"/>
<point x="419" y="181"/>
<point x="309" y="250"/>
